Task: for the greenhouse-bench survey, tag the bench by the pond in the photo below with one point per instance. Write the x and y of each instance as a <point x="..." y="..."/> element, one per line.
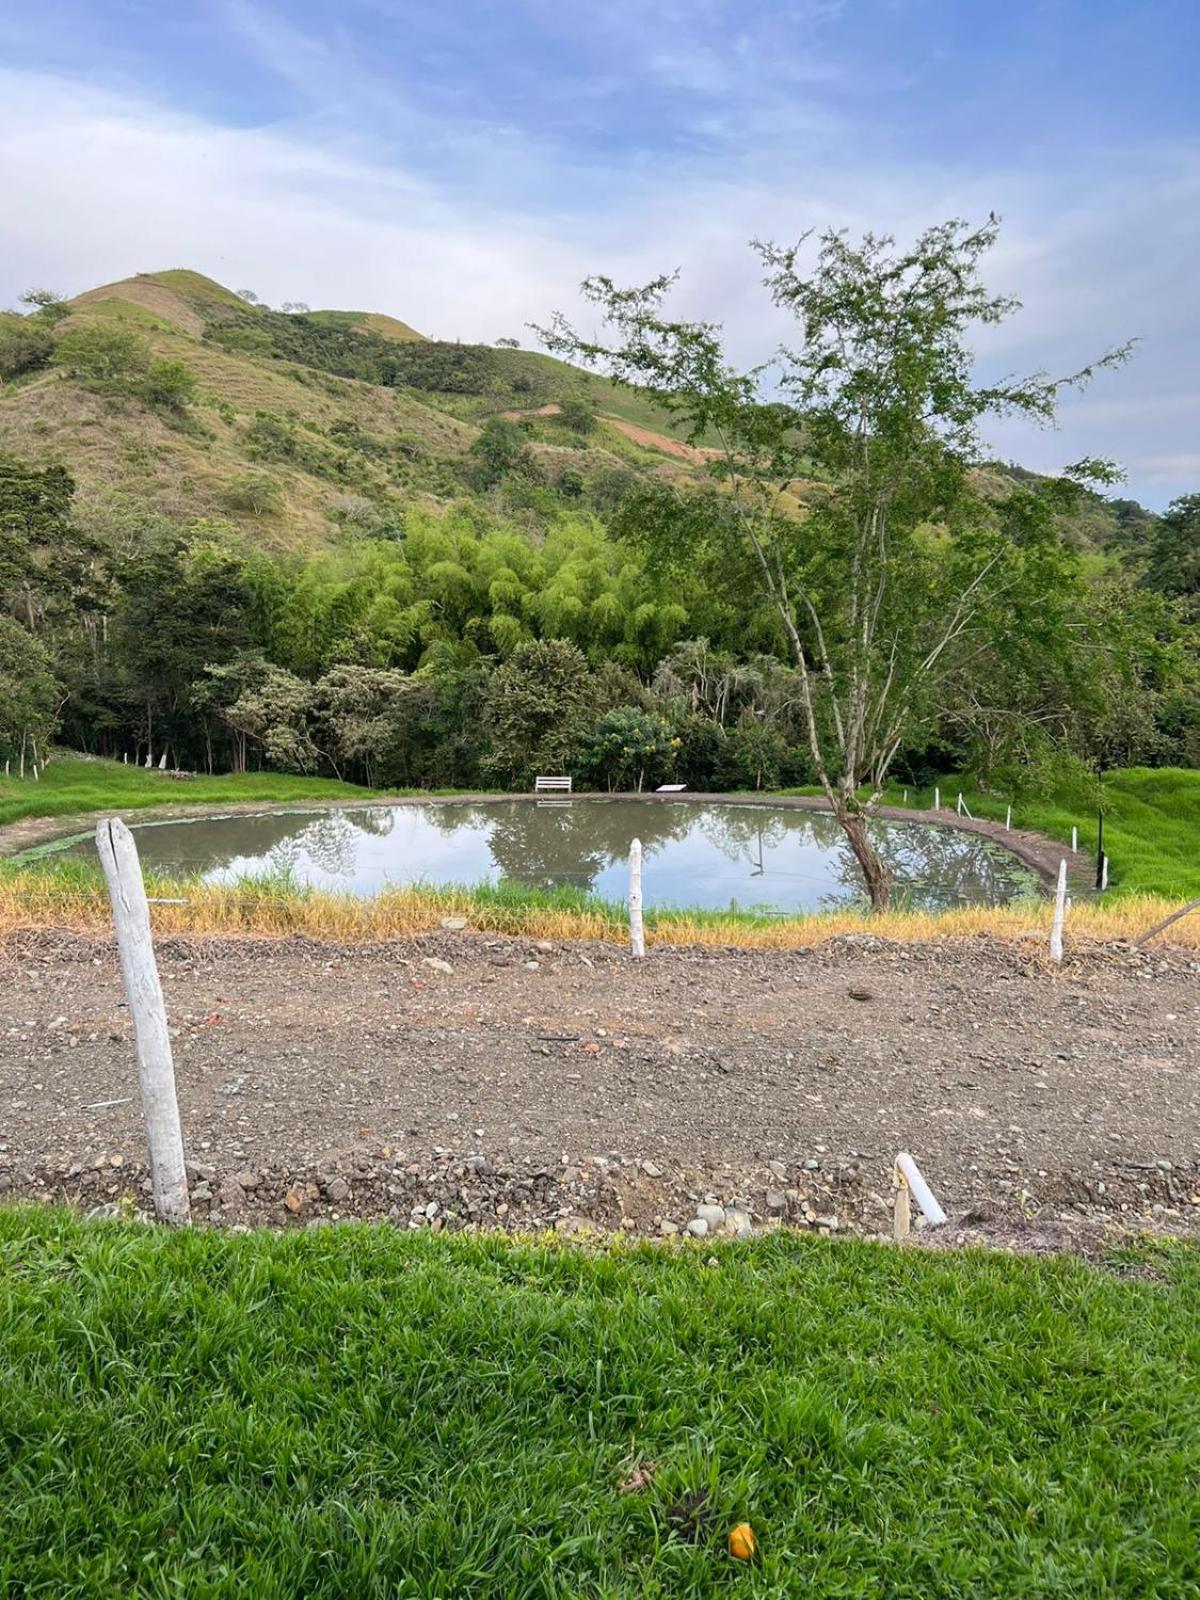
<point x="552" y="786"/>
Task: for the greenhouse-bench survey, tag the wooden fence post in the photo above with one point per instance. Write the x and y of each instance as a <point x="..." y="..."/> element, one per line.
<point x="1060" y="912"/>
<point x="637" y="936"/>
<point x="151" y="1039"/>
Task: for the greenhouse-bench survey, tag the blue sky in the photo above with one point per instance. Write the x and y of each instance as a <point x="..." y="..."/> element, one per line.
<point x="463" y="165"/>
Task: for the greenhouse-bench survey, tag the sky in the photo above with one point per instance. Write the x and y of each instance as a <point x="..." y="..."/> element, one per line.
<point x="464" y="165"/>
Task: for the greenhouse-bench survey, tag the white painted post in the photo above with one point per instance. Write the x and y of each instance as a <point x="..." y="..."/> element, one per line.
<point x="36" y="774"/>
<point x="1103" y="873"/>
<point x="125" y="758"/>
<point x="162" y="765"/>
<point x="906" y="797"/>
<point x="637" y="936"/>
<point x="1074" y="841"/>
<point x="1060" y="912"/>
<point x="908" y="1173"/>
<point x="937" y="799"/>
<point x="151" y="1039"/>
<point x="149" y="760"/>
<point x="1008" y="820"/>
<point x="958" y="807"/>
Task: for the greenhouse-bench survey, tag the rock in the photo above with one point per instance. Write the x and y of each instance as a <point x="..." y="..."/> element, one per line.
<point x="812" y="1165"/>
<point x="712" y="1216"/>
<point x="454" y="924"/>
<point x="777" y="1169"/>
<point x="776" y="1200"/>
<point x="531" y="966"/>
<point x="338" y="1190"/>
<point x="651" y="1169"/>
<point x="697" y="1227"/>
<point x="246" y="1179"/>
<point x="294" y="1201"/>
<point x="668" y="1228"/>
<point x="436" y="964"/>
<point x="545" y="946"/>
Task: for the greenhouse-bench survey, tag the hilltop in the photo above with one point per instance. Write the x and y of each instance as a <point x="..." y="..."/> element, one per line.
<point x="304" y="420"/>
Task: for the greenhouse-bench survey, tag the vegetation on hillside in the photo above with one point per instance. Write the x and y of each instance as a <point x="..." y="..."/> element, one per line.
<point x="357" y="1410"/>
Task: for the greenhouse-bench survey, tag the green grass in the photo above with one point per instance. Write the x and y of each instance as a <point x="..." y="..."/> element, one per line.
<point x="71" y="787"/>
<point x="360" y="1412"/>
<point x="1151" y="822"/>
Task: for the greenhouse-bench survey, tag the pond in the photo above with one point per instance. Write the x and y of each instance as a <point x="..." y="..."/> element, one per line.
<point x="706" y="855"/>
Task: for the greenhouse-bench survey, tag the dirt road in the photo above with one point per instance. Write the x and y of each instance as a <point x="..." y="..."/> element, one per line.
<point x="460" y="1079"/>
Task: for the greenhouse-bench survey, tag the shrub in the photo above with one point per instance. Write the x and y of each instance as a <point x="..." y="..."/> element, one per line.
<point x="630" y="748"/>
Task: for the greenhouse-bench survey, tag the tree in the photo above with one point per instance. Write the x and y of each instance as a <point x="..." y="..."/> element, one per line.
<point x="30" y="697"/>
<point x="539" y="706"/>
<point x="630" y="747"/>
<point x="45" y="305"/>
<point x="168" y="385"/>
<point x="501" y="448"/>
<point x="897" y="558"/>
<point x="578" y="415"/>
<point x="102" y="354"/>
<point x="1173" y="562"/>
<point x="25" y="346"/>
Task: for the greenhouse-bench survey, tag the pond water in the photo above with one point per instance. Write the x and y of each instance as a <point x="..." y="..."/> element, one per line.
<point x="712" y="856"/>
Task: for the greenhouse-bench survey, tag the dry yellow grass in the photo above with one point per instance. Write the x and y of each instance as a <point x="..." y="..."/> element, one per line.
<point x="35" y="900"/>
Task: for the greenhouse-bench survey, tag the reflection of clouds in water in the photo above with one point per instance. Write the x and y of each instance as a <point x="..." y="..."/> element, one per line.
<point x="757" y="855"/>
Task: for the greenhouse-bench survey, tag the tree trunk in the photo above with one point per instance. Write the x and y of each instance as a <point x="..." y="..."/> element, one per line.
<point x="874" y="871"/>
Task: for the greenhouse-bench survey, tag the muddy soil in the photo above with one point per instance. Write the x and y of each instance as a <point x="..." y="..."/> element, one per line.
<point x="460" y="1080"/>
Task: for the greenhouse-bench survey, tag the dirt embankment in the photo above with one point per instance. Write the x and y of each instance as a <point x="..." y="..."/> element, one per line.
<point x="460" y="1080"/>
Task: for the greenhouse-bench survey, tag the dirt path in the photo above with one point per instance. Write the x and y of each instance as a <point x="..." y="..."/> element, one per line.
<point x="496" y="1081"/>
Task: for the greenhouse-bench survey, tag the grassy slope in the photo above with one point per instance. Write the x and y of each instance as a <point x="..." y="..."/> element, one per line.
<point x="74" y="788"/>
<point x="1151" y="824"/>
<point x="358" y="1411"/>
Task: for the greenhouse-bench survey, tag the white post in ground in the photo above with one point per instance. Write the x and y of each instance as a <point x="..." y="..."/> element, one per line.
<point x="162" y="765"/>
<point x="1008" y="820"/>
<point x="1060" y="913"/>
<point x="151" y="1039"/>
<point x="1103" y="873"/>
<point x="937" y="799"/>
<point x="637" y="936"/>
<point x="907" y="1177"/>
<point x="1074" y="840"/>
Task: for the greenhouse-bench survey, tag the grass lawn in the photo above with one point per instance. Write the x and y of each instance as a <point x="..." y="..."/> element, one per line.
<point x="1151" y="823"/>
<point x="71" y="786"/>
<point x="360" y="1412"/>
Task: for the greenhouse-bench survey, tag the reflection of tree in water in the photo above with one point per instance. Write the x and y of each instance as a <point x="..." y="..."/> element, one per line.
<point x="555" y="845"/>
<point x="938" y="868"/>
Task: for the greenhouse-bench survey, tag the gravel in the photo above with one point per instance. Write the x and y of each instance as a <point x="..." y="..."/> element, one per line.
<point x="450" y="1082"/>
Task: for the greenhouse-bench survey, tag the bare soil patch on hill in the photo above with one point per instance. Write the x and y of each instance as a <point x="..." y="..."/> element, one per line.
<point x="461" y="1080"/>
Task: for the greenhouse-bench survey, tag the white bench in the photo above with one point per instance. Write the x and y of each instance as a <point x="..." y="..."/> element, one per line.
<point x="552" y="786"/>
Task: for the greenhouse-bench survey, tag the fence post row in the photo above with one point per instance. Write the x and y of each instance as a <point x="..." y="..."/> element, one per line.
<point x="637" y="936"/>
<point x="151" y="1039"/>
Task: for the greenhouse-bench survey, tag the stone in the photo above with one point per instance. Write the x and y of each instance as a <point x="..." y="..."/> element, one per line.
<point x="812" y="1165"/>
<point x="736" y="1218"/>
<point x="436" y="964"/>
<point x="668" y="1228"/>
<point x="246" y="1179"/>
<point x="454" y="924"/>
<point x="777" y="1169"/>
<point x="776" y="1200"/>
<point x="651" y="1169"/>
<point x="712" y="1215"/>
<point x="697" y="1227"/>
<point x="294" y="1201"/>
<point x="338" y="1190"/>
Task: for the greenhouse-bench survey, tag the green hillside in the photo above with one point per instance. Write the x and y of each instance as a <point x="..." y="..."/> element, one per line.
<point x="301" y="423"/>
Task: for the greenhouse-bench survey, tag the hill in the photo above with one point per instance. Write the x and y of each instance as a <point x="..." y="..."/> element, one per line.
<point x="304" y="421"/>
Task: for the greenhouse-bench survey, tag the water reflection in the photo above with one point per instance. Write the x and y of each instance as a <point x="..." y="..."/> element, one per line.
<point x="712" y="856"/>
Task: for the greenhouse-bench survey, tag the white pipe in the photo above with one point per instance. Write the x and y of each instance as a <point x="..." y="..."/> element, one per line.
<point x="922" y="1193"/>
<point x="1008" y="820"/>
<point x="1060" y="913"/>
<point x="937" y="799"/>
<point x="637" y="936"/>
<point x="1074" y="841"/>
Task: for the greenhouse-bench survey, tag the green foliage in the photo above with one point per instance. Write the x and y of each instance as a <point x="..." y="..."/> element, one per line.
<point x="631" y="748"/>
<point x="365" y="1411"/>
<point x="578" y="415"/>
<point x="45" y="306"/>
<point x="168" y="386"/>
<point x="539" y="706"/>
<point x="501" y="449"/>
<point x="256" y="492"/>
<point x="30" y="696"/>
<point x="104" y="354"/>
<point x="1173" y="558"/>
<point x="25" y="346"/>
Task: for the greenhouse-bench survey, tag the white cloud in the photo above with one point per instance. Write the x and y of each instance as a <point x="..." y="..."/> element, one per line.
<point x="98" y="185"/>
